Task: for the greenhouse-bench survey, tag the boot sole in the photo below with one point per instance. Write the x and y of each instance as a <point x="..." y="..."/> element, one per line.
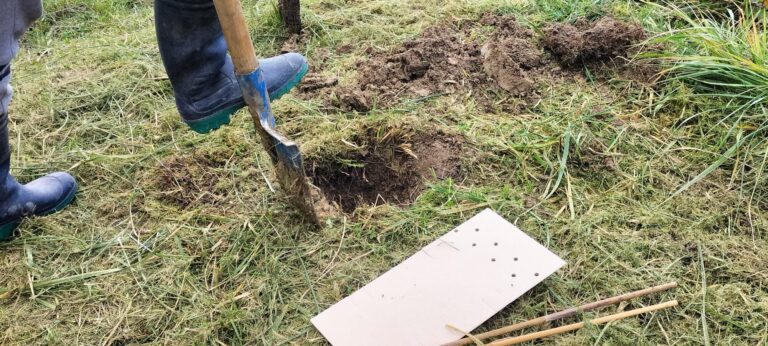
<point x="219" y="119"/>
<point x="7" y="229"/>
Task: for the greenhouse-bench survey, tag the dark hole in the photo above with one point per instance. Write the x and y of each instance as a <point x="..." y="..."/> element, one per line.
<point x="515" y="258"/>
<point x="495" y="244"/>
<point x="473" y="244"/>
<point x="493" y="260"/>
<point x="477" y="230"/>
<point x="514" y="275"/>
<point x="536" y="274"/>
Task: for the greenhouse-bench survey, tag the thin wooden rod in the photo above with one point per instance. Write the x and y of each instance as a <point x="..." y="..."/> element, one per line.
<point x="565" y="313"/>
<point x="575" y="326"/>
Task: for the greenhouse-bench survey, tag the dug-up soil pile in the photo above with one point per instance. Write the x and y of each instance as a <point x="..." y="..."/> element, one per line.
<point x="437" y="62"/>
<point x="388" y="169"/>
<point x="587" y="42"/>
<point x="512" y="61"/>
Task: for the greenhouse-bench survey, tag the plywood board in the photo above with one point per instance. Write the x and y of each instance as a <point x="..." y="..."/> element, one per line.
<point x="463" y="278"/>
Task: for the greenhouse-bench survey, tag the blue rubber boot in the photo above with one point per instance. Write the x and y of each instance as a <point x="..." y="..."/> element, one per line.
<point x="43" y="196"/>
<point x="195" y="56"/>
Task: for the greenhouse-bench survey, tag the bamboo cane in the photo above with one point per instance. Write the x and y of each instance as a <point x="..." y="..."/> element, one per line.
<point x="575" y="326"/>
<point x="565" y="313"/>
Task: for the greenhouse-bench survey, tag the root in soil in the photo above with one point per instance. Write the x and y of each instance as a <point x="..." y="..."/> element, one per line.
<point x="390" y="169"/>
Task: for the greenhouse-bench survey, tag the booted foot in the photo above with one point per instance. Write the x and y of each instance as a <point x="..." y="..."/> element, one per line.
<point x="43" y="196"/>
<point x="222" y="97"/>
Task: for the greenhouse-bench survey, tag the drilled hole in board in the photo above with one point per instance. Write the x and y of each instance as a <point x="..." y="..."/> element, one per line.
<point x="514" y="275"/>
<point x="474" y="244"/>
<point x="493" y="260"/>
<point x="536" y="274"/>
<point x="477" y="230"/>
<point x="495" y="244"/>
<point x="456" y="231"/>
<point x="515" y="258"/>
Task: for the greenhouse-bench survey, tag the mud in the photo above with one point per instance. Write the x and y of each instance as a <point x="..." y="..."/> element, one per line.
<point x="189" y="180"/>
<point x="392" y="169"/>
<point x="511" y="61"/>
<point x="585" y="42"/>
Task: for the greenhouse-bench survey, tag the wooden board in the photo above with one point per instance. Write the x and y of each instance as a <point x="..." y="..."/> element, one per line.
<point x="463" y="278"/>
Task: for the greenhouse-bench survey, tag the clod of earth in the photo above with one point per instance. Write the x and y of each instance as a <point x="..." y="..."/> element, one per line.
<point x="509" y="62"/>
<point x="585" y="42"/>
<point x="314" y="82"/>
<point x="510" y="55"/>
<point x="392" y="169"/>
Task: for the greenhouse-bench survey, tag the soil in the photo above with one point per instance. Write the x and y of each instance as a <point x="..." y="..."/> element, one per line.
<point x="586" y="42"/>
<point x="390" y="170"/>
<point x="188" y="180"/>
<point x="438" y="62"/>
<point x="511" y="60"/>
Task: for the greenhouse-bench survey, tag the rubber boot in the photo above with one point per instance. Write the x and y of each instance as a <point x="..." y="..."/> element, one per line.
<point x="194" y="53"/>
<point x="43" y="196"/>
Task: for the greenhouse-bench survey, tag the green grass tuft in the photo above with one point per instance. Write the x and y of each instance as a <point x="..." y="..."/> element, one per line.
<point x="722" y="58"/>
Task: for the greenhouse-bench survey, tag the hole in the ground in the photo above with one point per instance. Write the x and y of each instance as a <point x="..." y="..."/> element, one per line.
<point x="390" y="168"/>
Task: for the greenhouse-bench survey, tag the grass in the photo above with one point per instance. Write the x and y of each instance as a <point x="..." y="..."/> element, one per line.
<point x="586" y="171"/>
<point x="724" y="58"/>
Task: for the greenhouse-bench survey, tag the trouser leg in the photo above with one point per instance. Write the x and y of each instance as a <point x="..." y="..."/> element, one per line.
<point x="194" y="54"/>
<point x="15" y="18"/>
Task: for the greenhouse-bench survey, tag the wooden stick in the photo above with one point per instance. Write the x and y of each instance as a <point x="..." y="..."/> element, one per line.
<point x="575" y="326"/>
<point x="565" y="313"/>
<point x="236" y="34"/>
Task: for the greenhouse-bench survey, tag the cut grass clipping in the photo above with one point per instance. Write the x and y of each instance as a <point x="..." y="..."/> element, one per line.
<point x="723" y="58"/>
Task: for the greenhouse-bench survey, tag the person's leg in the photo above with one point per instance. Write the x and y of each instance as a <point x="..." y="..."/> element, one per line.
<point x="195" y="57"/>
<point x="44" y="195"/>
<point x="15" y="18"/>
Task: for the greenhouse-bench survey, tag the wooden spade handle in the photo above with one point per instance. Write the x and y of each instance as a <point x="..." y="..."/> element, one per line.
<point x="236" y="33"/>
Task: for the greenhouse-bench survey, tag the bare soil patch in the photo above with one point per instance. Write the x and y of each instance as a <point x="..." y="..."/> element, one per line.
<point x="512" y="62"/>
<point x="437" y="62"/>
<point x="387" y="169"/>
